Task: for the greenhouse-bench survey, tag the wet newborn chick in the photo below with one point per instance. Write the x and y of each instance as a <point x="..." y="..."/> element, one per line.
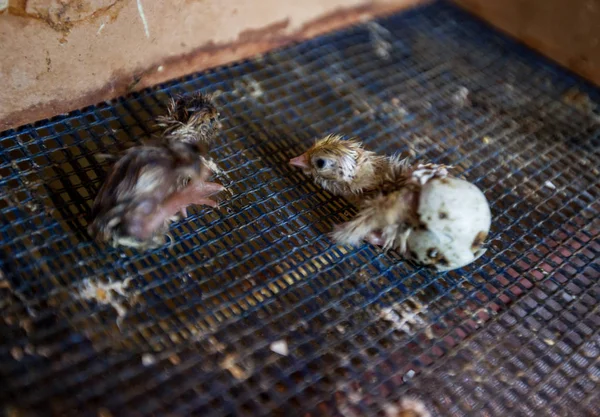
<point x="150" y="184"/>
<point x="145" y="190"/>
<point x="418" y="209"/>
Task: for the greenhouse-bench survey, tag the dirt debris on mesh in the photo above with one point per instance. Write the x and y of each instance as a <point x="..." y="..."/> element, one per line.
<point x="112" y="293"/>
<point x="378" y="36"/>
<point x="199" y="327"/>
<point x="280" y="347"/>
<point x="104" y="412"/>
<point x="231" y="364"/>
<point x="403" y="318"/>
<point x="579" y="100"/>
<point x="461" y="97"/>
<point x="17" y="353"/>
<point x="407" y="407"/>
<point x="148" y="359"/>
<point x="248" y="86"/>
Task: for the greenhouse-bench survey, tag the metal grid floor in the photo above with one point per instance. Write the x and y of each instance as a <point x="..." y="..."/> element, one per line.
<point x="188" y="328"/>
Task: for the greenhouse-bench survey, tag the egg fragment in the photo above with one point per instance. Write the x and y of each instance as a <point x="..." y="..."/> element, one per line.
<point x="454" y="221"/>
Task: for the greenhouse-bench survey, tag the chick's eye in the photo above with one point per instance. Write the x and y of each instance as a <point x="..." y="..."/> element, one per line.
<point x="320" y="163"/>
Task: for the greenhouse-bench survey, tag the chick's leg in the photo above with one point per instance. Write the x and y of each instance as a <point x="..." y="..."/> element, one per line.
<point x="193" y="179"/>
<point x="381" y="222"/>
<point x="364" y="225"/>
<point x="196" y="192"/>
<point x="375" y="238"/>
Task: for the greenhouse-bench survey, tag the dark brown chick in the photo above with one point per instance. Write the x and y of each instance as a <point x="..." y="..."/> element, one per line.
<point x="150" y="184"/>
<point x="146" y="189"/>
<point x="192" y="118"/>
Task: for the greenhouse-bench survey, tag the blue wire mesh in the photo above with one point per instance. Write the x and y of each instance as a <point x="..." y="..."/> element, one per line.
<point x="187" y="329"/>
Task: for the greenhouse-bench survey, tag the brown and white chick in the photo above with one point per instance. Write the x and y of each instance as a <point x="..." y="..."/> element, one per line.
<point x="418" y="209"/>
<point x="150" y="184"/>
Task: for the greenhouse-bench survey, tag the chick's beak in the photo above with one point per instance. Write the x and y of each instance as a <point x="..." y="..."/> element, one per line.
<point x="300" y="161"/>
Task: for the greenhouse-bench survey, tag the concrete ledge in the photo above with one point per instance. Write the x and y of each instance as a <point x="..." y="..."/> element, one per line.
<point x="60" y="55"/>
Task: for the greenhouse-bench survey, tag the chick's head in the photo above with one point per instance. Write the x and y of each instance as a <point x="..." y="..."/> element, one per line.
<point x="334" y="163"/>
<point x="199" y="109"/>
<point x="191" y="119"/>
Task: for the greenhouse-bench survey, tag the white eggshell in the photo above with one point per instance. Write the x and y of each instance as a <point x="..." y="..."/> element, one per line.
<point x="455" y="219"/>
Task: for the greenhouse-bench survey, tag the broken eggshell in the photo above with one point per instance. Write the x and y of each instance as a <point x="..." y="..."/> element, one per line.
<point x="454" y="221"/>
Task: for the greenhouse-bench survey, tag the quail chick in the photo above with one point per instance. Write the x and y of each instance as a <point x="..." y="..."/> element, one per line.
<point x="144" y="191"/>
<point x="417" y="209"/>
<point x="150" y="184"/>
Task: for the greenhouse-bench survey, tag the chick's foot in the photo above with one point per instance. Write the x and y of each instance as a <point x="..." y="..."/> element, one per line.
<point x="194" y="193"/>
<point x="375" y="238"/>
